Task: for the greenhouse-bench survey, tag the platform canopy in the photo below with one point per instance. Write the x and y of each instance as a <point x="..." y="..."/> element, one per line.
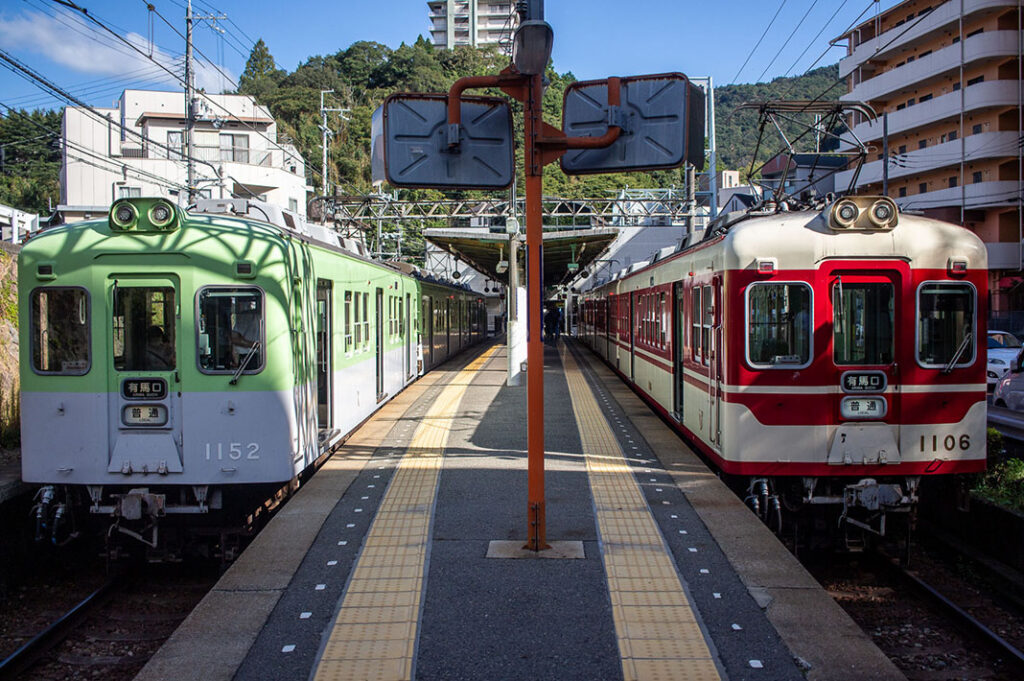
<point x="483" y="249"/>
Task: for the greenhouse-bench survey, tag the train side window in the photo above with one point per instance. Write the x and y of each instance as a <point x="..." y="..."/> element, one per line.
<point x="60" y="331"/>
<point x="143" y="328"/>
<point x="863" y="315"/>
<point x="779" y="325"/>
<point x="695" y="316"/>
<point x="709" y="316"/>
<point x="231" y="329"/>
<point x="366" y="321"/>
<point x="945" y="324"/>
<point x="358" y="322"/>
<point x="348" y="322"/>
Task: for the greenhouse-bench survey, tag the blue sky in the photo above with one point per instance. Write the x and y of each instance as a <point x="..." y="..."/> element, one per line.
<point x="593" y="38"/>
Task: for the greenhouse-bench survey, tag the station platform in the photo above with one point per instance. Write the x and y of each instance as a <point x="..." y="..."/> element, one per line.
<point x="378" y="568"/>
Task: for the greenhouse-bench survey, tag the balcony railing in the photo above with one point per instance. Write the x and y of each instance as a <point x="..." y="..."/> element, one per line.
<point x="211" y="154"/>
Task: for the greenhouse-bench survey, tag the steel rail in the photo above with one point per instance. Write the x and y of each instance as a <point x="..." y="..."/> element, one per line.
<point x="978" y="628"/>
<point x="29" y="653"/>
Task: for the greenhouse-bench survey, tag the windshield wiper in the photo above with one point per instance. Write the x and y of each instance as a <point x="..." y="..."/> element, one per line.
<point x="245" y="363"/>
<point x="959" y="351"/>
<point x="840" y="313"/>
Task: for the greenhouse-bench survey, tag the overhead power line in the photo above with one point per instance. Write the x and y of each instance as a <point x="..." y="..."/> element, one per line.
<point x="754" y="49"/>
<point x="795" y="29"/>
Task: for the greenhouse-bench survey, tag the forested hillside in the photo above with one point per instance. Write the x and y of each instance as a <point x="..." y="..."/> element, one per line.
<point x="361" y="76"/>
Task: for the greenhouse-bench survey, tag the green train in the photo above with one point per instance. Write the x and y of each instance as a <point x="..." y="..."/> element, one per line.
<point x="192" y="363"/>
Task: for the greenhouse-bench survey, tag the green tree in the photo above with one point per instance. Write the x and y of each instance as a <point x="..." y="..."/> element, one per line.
<point x="31" y="160"/>
<point x="261" y="74"/>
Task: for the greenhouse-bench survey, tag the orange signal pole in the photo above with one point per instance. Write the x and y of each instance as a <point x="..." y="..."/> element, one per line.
<point x="534" y="171"/>
<point x="543" y="144"/>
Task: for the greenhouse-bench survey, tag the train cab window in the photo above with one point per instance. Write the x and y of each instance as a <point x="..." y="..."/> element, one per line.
<point x="863" y="315"/>
<point x="779" y="325"/>
<point x="60" y="331"/>
<point x="231" y="329"/>
<point x="143" y="325"/>
<point x="945" y="321"/>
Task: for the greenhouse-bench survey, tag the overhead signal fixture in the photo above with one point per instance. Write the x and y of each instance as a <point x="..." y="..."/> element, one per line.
<point x="531" y="47"/>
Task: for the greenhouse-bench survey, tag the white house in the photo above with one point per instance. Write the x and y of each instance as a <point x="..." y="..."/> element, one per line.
<point x="138" y="149"/>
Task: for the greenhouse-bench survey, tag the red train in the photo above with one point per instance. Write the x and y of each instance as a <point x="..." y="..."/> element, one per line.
<point x="824" y="357"/>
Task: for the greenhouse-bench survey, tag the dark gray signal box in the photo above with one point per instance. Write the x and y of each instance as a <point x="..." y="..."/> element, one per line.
<point x="662" y="121"/>
<point x="415" y="143"/>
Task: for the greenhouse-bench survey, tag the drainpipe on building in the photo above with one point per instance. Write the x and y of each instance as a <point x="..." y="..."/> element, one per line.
<point x="963" y="104"/>
<point x="885" y="153"/>
<point x="1020" y="138"/>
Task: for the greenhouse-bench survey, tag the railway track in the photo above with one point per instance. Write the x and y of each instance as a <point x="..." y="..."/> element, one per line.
<point x="109" y="634"/>
<point x="937" y="621"/>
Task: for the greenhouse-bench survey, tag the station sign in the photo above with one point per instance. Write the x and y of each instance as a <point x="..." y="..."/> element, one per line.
<point x="661" y="117"/>
<point x="410" y="141"/>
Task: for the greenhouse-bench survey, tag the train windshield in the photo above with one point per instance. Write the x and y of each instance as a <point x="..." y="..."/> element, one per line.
<point x="863" y="316"/>
<point x="231" y="329"/>
<point x="144" y="328"/>
<point x="60" y="330"/>
<point x="779" y="325"/>
<point x="945" y="318"/>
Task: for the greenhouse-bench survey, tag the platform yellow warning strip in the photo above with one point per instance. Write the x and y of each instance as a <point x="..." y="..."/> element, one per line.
<point x="659" y="637"/>
<point x="374" y="634"/>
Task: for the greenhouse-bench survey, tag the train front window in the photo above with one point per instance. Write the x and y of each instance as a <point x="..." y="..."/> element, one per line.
<point x="945" y="324"/>
<point x="60" y="331"/>
<point x="863" y="316"/>
<point x="143" y="326"/>
<point x="230" y="333"/>
<point x="779" y="325"/>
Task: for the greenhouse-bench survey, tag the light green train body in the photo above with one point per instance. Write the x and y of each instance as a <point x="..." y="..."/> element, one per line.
<point x="164" y="367"/>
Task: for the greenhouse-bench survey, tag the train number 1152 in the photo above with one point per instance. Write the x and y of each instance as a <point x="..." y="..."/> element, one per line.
<point x="948" y="443"/>
<point x="233" y="451"/>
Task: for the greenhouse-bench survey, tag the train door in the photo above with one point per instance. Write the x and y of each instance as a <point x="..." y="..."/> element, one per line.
<point x="407" y="334"/>
<point x="323" y="354"/>
<point x="679" y="329"/>
<point x="379" y="318"/>
<point x="144" y="381"/>
<point x="865" y="307"/>
<point x="448" y="327"/>
<point x="427" y="332"/>
<point x="713" y="325"/>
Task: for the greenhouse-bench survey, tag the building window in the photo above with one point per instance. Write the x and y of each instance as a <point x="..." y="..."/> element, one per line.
<point x="956" y="86"/>
<point x="293" y="205"/>
<point x="973" y="33"/>
<point x="975" y="81"/>
<point x="921" y="144"/>
<point x="901" y="107"/>
<point x="976" y="129"/>
<point x="976" y="177"/>
<point x="911" y="102"/>
<point x="124" y="192"/>
<point x="924" y="98"/>
<point x="902" y="191"/>
<point x="902" y="149"/>
<point x="234" y="148"/>
<point x="956" y="39"/>
<point x="952" y="182"/>
<point x="952" y="135"/>
<point x="924" y="54"/>
<point x="175" y="144"/>
<point x="922" y="188"/>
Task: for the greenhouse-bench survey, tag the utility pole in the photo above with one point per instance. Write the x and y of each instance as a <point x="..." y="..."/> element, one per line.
<point x="190" y="118"/>
<point x="190" y="98"/>
<point x="327" y="133"/>
<point x="885" y="153"/>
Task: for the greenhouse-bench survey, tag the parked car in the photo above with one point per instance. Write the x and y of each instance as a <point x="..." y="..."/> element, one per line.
<point x="1009" y="391"/>
<point x="1003" y="348"/>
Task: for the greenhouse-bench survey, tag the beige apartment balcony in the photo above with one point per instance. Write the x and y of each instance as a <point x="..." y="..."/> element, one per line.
<point x="986" y="145"/>
<point x="978" y="195"/>
<point x="993" y="93"/>
<point x="1003" y="255"/>
<point x="916" y="32"/>
<point x="982" y="46"/>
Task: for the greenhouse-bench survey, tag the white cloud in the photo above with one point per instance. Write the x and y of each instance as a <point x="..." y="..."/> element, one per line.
<point x="74" y="42"/>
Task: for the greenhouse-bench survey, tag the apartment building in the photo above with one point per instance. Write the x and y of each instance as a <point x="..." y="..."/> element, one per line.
<point x="945" y="79"/>
<point x="471" y="22"/>
<point x="137" y="148"/>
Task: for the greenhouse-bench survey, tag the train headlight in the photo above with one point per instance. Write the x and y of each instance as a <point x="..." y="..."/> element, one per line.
<point x="845" y="214"/>
<point x="123" y="216"/>
<point x="882" y="213"/>
<point x="161" y="214"/>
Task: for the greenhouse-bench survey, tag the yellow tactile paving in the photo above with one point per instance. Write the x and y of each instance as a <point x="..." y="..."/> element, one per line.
<point x="374" y="634"/>
<point x="659" y="637"/>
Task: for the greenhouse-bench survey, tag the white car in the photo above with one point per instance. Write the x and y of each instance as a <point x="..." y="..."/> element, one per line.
<point x="1003" y="348"/>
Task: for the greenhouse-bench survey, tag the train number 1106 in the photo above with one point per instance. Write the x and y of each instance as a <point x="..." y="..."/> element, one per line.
<point x="948" y="443"/>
